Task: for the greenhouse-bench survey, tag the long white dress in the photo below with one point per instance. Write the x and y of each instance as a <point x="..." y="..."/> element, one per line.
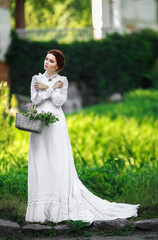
<point x="55" y="192"/>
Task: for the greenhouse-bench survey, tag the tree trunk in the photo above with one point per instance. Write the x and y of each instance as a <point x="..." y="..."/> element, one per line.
<point x="20" y="14"/>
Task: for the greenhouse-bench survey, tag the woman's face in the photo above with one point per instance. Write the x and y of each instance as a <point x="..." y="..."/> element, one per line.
<point x="50" y="64"/>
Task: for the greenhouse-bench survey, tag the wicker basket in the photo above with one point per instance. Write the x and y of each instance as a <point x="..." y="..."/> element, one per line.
<point x="25" y="124"/>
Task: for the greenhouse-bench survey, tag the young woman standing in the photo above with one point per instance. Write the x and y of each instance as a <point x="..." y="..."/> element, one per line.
<point x="55" y="192"/>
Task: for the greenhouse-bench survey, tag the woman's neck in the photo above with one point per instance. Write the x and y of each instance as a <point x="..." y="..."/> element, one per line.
<point x="51" y="73"/>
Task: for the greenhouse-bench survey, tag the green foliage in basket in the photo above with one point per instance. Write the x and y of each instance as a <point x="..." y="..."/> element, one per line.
<point x="47" y="117"/>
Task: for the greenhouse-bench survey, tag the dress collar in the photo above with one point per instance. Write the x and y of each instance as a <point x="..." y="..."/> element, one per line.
<point x="50" y="77"/>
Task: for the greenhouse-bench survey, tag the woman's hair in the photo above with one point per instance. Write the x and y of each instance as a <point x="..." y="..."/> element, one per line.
<point x="59" y="58"/>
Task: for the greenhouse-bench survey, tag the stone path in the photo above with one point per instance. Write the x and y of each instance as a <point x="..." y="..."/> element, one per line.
<point x="144" y="229"/>
<point x="136" y="236"/>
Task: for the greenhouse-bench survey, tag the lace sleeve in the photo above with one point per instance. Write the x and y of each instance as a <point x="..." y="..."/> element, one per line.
<point x="59" y="95"/>
<point x="38" y="96"/>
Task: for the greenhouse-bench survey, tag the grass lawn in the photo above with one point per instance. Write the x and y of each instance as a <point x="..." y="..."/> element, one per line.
<point x="114" y="148"/>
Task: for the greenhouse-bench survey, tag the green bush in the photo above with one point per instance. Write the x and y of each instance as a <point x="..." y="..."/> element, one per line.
<point x="13" y="149"/>
<point x="117" y="63"/>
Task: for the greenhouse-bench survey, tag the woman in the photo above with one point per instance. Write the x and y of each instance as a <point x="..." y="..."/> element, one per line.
<point x="55" y="192"/>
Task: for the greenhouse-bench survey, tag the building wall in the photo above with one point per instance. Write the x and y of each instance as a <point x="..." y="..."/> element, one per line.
<point x="4" y="38"/>
<point x="4" y="31"/>
<point x="138" y="14"/>
<point x="4" y="73"/>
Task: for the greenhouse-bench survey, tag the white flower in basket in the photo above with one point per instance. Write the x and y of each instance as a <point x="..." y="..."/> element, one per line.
<point x="32" y="121"/>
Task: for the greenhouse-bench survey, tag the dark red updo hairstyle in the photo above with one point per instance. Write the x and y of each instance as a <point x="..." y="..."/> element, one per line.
<point x="59" y="58"/>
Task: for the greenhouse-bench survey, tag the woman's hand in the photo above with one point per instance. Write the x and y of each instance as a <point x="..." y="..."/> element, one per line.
<point x="57" y="84"/>
<point x="39" y="85"/>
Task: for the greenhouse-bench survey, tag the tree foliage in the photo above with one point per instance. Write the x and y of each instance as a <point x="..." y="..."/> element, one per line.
<point x="55" y="13"/>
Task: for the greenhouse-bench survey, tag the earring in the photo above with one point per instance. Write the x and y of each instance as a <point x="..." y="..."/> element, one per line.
<point x="56" y="69"/>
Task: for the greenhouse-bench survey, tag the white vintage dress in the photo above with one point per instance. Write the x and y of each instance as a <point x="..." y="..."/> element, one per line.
<point x="55" y="192"/>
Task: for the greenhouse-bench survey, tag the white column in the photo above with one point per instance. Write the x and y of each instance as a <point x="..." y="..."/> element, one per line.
<point x="100" y="17"/>
<point x="117" y="16"/>
<point x="4" y="31"/>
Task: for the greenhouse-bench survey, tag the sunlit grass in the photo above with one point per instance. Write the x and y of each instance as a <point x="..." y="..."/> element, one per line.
<point x="114" y="148"/>
<point x="100" y="136"/>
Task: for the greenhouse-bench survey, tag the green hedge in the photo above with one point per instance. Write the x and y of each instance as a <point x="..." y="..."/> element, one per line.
<point x="117" y="63"/>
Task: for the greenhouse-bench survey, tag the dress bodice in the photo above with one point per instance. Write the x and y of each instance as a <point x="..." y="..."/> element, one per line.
<point x="49" y="100"/>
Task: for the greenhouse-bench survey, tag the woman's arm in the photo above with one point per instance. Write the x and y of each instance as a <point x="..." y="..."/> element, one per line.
<point x="38" y="96"/>
<point x="59" y="95"/>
